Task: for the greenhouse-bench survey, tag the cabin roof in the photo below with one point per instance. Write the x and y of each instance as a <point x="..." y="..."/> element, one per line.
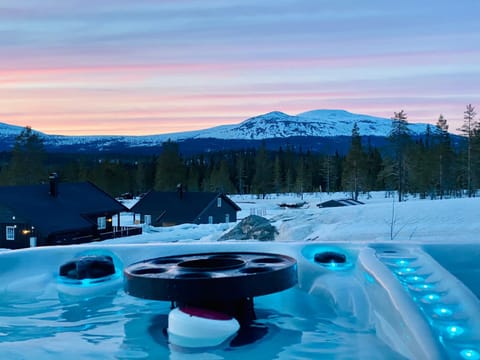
<point x="64" y="212"/>
<point x="184" y="207"/>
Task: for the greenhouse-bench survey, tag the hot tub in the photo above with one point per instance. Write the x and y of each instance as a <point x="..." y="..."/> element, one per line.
<point x="351" y="301"/>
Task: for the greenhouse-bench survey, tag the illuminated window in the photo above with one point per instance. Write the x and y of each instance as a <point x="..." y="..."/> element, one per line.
<point x="227" y="218"/>
<point x="219" y="202"/>
<point x="210" y="219"/>
<point x="101" y="223"/>
<point x="10" y="232"/>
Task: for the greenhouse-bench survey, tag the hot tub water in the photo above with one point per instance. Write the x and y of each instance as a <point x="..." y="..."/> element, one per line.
<point x="329" y="315"/>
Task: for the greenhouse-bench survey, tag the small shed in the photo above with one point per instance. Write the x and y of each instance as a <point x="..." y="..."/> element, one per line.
<point x="339" y="203"/>
<point x="56" y="214"/>
<point x="158" y="208"/>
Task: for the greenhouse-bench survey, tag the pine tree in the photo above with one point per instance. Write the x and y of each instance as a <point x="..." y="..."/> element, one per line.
<point x="444" y="156"/>
<point x="373" y="168"/>
<point x="241" y="173"/>
<point x="332" y="168"/>
<point x="278" y="174"/>
<point x="400" y="138"/>
<point x="219" y="180"/>
<point x="354" y="171"/>
<point x="27" y="165"/>
<point x="144" y="176"/>
<point x="262" y="180"/>
<point x="468" y="129"/>
<point x="300" y="181"/>
<point x="420" y="176"/>
<point x="170" y="168"/>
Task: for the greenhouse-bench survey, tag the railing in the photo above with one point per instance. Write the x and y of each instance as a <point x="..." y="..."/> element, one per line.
<point x="121" y="231"/>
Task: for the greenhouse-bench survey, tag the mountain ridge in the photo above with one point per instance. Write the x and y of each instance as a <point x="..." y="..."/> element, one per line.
<point x="274" y="125"/>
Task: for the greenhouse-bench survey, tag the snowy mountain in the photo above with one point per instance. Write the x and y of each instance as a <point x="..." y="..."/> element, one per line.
<point x="273" y="126"/>
<point x="318" y="123"/>
<point x="7" y="130"/>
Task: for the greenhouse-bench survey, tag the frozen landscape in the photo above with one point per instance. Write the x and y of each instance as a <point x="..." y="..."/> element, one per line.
<point x="381" y="218"/>
<point x="408" y="289"/>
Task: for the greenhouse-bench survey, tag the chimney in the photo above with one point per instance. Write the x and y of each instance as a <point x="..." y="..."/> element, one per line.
<point x="53" y="179"/>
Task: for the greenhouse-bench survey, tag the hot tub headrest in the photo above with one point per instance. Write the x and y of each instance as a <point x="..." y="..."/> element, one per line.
<point x="88" y="267"/>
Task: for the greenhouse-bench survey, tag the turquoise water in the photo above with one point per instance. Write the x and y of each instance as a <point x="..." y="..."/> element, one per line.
<point x="118" y="326"/>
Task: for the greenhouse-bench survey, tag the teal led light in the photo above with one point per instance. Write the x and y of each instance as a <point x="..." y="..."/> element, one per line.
<point x="414" y="279"/>
<point x="405" y="271"/>
<point x="89" y="282"/>
<point x="443" y="311"/>
<point x="470" y="354"/>
<point x="332" y="265"/>
<point x="431" y="298"/>
<point x="423" y="286"/>
<point x="402" y="262"/>
<point x="454" y="330"/>
<point x="369" y="278"/>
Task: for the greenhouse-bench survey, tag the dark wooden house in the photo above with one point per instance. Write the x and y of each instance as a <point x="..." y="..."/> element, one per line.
<point x="57" y="214"/>
<point x="182" y="207"/>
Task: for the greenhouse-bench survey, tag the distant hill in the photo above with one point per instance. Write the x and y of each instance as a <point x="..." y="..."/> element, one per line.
<point x="318" y="130"/>
<point x="7" y="130"/>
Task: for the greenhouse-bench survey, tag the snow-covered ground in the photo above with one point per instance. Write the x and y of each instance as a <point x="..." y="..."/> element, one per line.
<point x="380" y="219"/>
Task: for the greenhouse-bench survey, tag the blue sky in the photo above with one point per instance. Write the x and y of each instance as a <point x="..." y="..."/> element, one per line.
<point x="143" y="67"/>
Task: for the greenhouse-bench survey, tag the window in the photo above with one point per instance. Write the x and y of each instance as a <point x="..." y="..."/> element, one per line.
<point x="210" y="219"/>
<point x="101" y="223"/>
<point x="10" y="232"/>
<point x="219" y="202"/>
<point x="227" y="218"/>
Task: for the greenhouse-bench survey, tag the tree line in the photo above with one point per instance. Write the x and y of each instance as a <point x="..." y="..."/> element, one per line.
<point x="431" y="166"/>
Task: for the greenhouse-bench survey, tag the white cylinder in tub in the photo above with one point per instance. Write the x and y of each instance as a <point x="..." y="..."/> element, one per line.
<point x="199" y="328"/>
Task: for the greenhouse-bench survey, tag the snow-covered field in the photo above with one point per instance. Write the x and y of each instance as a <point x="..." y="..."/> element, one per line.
<point x="380" y="219"/>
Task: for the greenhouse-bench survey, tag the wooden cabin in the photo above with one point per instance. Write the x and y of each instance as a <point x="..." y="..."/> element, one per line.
<point x="57" y="214"/>
<point x="158" y="208"/>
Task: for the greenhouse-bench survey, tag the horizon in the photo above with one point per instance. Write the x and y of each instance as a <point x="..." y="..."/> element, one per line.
<point x="206" y="129"/>
<point x="143" y="68"/>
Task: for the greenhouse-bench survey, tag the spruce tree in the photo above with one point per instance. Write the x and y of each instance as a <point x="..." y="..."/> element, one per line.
<point x="27" y="165"/>
<point x="263" y="179"/>
<point x="400" y="138"/>
<point x="278" y="174"/>
<point x="468" y="129"/>
<point x="170" y="168"/>
<point x="373" y="168"/>
<point x="219" y="180"/>
<point x="420" y="176"/>
<point x="300" y="181"/>
<point x="354" y="168"/>
<point x="444" y="156"/>
<point x="144" y="176"/>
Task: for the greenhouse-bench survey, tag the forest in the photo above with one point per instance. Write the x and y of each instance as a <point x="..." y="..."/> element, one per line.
<point x="430" y="166"/>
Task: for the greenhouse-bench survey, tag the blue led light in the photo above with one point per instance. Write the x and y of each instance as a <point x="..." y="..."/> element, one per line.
<point x="405" y="271"/>
<point x="470" y="354"/>
<point x="442" y="311"/>
<point x="369" y="278"/>
<point x="422" y="287"/>
<point x="402" y="262"/>
<point x="414" y="279"/>
<point x="89" y="282"/>
<point x="454" y="330"/>
<point x="431" y="298"/>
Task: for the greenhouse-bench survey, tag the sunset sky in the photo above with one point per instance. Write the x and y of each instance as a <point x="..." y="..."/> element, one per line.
<point x="148" y="67"/>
